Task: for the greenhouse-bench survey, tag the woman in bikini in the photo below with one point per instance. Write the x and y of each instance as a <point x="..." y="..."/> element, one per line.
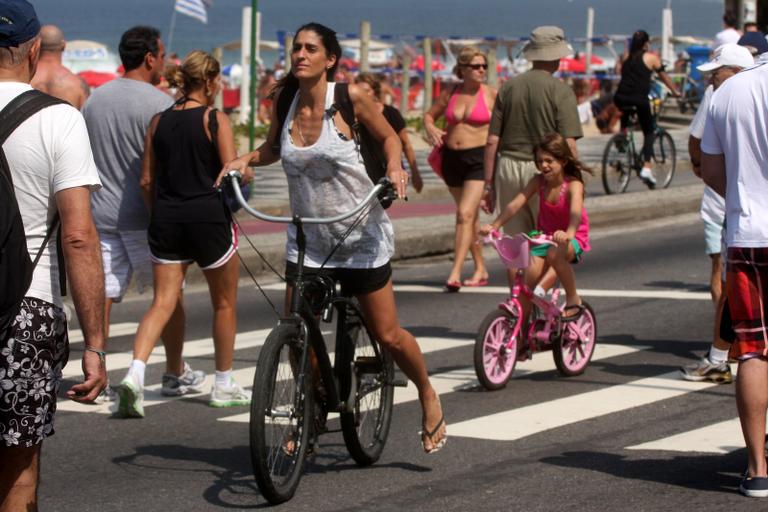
<point x="466" y="107"/>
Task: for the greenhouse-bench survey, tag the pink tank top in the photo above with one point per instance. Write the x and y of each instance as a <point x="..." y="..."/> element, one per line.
<point x="555" y="217"/>
<point x="479" y="116"/>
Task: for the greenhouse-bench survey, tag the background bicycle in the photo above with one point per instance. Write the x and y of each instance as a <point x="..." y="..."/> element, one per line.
<point x="621" y="156"/>
<point x="500" y="343"/>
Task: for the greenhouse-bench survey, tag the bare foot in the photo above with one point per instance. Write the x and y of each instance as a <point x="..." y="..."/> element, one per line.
<point x="434" y="432"/>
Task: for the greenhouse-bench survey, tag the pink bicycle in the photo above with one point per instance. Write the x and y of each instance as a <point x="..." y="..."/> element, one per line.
<point x="498" y="346"/>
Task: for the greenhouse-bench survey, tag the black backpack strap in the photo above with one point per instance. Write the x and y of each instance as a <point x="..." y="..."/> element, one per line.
<point x="21" y="108"/>
<point x="284" y="100"/>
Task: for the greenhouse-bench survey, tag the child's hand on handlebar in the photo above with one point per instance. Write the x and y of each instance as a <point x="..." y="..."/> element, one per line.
<point x="486" y="229"/>
<point x="561" y="237"/>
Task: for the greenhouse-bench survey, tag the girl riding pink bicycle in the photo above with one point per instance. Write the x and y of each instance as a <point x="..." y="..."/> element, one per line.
<point x="560" y="188"/>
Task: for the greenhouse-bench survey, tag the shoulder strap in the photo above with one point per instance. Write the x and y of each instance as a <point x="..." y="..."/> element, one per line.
<point x="284" y="100"/>
<point x="343" y="103"/>
<point x="21" y="108"/>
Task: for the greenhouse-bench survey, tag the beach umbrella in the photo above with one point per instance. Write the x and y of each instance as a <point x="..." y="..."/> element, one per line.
<point x="96" y="78"/>
<point x="579" y="65"/>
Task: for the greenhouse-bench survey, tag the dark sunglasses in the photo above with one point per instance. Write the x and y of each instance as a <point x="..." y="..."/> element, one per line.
<point x="476" y="66"/>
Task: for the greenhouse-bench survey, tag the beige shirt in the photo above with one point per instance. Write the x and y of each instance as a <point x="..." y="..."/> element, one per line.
<point x="530" y="106"/>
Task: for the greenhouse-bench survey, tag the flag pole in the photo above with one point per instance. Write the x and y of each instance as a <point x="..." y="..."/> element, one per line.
<point x="170" y="31"/>
<point x="252" y="82"/>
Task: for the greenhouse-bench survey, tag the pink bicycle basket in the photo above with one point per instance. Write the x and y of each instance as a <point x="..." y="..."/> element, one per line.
<point x="513" y="251"/>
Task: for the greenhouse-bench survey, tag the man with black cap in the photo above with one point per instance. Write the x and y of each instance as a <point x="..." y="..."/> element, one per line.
<point x="51" y="174"/>
<point x="528" y="107"/>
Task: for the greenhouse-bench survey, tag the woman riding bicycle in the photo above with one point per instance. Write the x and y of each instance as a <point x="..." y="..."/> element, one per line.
<point x="632" y="95"/>
<point x="326" y="176"/>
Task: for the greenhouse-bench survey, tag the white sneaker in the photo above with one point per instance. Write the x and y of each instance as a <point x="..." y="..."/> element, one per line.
<point x="130" y="398"/>
<point x="646" y="174"/>
<point x="190" y="381"/>
<point x="230" y="396"/>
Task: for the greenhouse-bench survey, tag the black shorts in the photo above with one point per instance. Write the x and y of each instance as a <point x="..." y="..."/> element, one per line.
<point x="209" y="244"/>
<point x="35" y="348"/>
<point x="354" y="281"/>
<point x="460" y="165"/>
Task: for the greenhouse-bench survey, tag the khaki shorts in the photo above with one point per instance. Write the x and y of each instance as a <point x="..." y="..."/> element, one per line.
<point x="511" y="178"/>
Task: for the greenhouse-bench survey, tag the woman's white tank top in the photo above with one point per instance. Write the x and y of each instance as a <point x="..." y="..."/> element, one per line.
<point x="326" y="179"/>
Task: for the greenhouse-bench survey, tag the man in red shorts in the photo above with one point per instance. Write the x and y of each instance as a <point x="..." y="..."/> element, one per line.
<point x="734" y="151"/>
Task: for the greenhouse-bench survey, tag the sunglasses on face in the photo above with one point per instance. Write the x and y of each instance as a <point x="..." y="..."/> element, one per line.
<point x="476" y="67"/>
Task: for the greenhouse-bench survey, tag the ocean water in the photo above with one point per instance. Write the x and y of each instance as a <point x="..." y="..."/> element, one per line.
<point x="105" y="20"/>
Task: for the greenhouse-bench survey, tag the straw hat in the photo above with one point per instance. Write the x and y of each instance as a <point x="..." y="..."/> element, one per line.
<point x="547" y="43"/>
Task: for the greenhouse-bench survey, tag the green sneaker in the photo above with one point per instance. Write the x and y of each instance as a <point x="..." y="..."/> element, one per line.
<point x="130" y="396"/>
<point x="230" y="396"/>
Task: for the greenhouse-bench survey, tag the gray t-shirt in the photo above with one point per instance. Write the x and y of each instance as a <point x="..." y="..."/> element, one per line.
<point x="118" y="115"/>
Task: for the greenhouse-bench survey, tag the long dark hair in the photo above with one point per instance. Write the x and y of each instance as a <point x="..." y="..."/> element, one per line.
<point x="332" y="47"/>
<point x="637" y="44"/>
<point x="556" y="145"/>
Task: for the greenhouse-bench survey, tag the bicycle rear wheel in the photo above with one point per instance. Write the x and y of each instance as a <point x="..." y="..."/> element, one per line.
<point x="664" y="159"/>
<point x="366" y="427"/>
<point x="280" y="415"/>
<point x="573" y="350"/>
<point x="617" y="164"/>
<point x="494" y="359"/>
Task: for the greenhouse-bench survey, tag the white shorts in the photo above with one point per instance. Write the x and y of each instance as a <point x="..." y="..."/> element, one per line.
<point x="713" y="237"/>
<point x="125" y="255"/>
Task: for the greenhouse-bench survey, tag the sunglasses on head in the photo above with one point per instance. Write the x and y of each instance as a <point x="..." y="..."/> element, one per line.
<point x="476" y="66"/>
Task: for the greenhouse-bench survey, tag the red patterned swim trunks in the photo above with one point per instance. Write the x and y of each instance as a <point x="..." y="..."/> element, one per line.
<point x="747" y="292"/>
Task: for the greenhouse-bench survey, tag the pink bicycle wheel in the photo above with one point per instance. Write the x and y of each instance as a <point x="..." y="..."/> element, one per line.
<point x="574" y="349"/>
<point x="496" y="349"/>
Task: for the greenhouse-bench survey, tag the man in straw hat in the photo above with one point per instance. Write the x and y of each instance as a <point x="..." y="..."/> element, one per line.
<point x="528" y="107"/>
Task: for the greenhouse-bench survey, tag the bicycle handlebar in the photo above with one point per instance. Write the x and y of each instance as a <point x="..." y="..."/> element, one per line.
<point x="534" y="237"/>
<point x="383" y="191"/>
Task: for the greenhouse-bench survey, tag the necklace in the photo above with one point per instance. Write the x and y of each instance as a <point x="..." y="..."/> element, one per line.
<point x="301" y="135"/>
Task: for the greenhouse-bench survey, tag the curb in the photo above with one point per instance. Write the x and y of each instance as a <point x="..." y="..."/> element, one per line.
<point x="417" y="237"/>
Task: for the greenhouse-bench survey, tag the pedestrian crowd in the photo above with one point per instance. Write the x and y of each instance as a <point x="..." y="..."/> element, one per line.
<point x="118" y="187"/>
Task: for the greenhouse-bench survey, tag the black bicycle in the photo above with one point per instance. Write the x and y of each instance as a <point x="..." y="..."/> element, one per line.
<point x="296" y="385"/>
<point x="621" y="158"/>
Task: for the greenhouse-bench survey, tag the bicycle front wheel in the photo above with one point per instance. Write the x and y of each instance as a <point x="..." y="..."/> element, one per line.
<point x="664" y="159"/>
<point x="280" y="415"/>
<point x="366" y="426"/>
<point x="495" y="357"/>
<point x="573" y="350"/>
<point x="617" y="164"/>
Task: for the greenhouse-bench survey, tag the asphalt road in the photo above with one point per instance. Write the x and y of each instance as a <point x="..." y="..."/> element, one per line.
<point x="626" y="435"/>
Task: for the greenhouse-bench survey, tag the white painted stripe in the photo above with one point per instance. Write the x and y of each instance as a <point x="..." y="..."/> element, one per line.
<point x="115" y="330"/>
<point x="192" y="348"/>
<point x="533" y="419"/>
<point x="464" y="378"/>
<point x="723" y="437"/>
<point x="244" y="376"/>
<point x="504" y="290"/>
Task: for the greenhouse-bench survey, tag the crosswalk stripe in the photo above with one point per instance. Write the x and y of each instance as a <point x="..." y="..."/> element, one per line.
<point x="525" y="421"/>
<point x="202" y="347"/>
<point x="193" y="348"/>
<point x="504" y="290"/>
<point x="115" y="330"/>
<point x="464" y="378"/>
<point x="722" y="437"/>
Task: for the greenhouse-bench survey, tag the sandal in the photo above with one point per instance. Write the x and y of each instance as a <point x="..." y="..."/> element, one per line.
<point x="579" y="308"/>
<point x="475" y="282"/>
<point x="452" y="286"/>
<point x="430" y="433"/>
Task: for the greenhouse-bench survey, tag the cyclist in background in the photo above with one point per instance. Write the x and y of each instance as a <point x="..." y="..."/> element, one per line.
<point x="632" y="95"/>
<point x="326" y="177"/>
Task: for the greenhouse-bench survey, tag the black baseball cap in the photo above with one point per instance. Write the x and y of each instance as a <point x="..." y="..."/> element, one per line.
<point x="18" y="22"/>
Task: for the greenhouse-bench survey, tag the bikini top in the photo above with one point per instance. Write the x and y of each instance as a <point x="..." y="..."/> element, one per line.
<point x="479" y="116"/>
